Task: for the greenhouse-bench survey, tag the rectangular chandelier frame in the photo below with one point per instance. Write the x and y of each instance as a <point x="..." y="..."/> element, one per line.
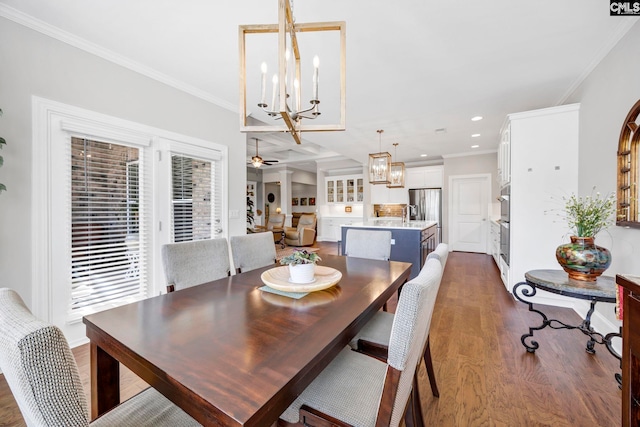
<point x="287" y="28"/>
<point x="396" y="175"/>
<point x="379" y="168"/>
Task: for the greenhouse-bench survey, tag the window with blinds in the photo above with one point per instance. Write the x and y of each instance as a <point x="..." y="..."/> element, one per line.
<point x="195" y="199"/>
<point x="106" y="208"/>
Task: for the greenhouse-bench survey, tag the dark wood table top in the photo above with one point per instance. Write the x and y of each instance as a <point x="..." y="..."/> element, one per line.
<point x="230" y="354"/>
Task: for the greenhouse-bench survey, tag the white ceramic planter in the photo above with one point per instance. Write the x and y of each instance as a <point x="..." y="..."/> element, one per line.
<point x="301" y="273"/>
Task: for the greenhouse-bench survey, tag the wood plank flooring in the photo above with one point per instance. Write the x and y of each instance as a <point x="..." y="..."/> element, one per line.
<point x="485" y="376"/>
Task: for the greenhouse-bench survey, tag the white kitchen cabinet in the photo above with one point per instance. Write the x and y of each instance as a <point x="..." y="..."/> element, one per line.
<point x="504" y="156"/>
<point x="381" y="194"/>
<point x="543" y="170"/>
<point x="494" y="242"/>
<point x="344" y="189"/>
<point x="329" y="227"/>
<point x="424" y="177"/>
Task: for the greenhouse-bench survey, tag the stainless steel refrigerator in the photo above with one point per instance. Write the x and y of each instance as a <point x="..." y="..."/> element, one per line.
<point x="425" y="204"/>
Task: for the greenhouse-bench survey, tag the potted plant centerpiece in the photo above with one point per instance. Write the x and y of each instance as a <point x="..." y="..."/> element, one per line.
<point x="586" y="216"/>
<point x="302" y="265"/>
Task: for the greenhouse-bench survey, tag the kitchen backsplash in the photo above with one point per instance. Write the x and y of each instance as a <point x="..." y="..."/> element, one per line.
<point x="392" y="210"/>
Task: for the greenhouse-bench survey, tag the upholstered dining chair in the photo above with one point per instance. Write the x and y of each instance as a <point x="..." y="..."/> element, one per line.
<point x="192" y="263"/>
<point x="304" y="234"/>
<point x="441" y="253"/>
<point x="372" y="244"/>
<point x="42" y="374"/>
<point x="358" y="390"/>
<point x="252" y="251"/>
<point x="373" y="339"/>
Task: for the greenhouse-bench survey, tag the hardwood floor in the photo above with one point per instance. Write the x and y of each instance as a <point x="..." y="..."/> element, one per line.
<point x="485" y="376"/>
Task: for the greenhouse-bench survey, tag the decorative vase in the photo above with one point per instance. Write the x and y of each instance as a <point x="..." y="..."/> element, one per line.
<point x="582" y="259"/>
<point x="302" y="273"/>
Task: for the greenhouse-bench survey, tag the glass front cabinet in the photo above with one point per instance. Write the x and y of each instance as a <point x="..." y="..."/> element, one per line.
<point x="344" y="189"/>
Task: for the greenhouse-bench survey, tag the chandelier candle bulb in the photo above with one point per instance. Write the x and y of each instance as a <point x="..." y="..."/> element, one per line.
<point x="275" y="91"/>
<point x="316" y="66"/>
<point x="296" y="88"/>
<point x="263" y="88"/>
<point x="287" y="75"/>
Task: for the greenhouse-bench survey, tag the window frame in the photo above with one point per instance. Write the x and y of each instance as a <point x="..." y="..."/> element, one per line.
<point x="53" y="125"/>
<point x="628" y="172"/>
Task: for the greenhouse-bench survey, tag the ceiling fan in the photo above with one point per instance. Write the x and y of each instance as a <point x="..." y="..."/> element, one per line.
<point x="258" y="161"/>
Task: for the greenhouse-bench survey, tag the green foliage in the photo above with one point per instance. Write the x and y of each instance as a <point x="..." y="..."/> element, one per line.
<point x="586" y="216"/>
<point x="301" y="256"/>
<point x="249" y="210"/>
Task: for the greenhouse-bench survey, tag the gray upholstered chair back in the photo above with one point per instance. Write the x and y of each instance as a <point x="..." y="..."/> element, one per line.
<point x="440" y="253"/>
<point x="410" y="330"/>
<point x="39" y="367"/>
<point x="192" y="263"/>
<point x="275" y="221"/>
<point x="372" y="244"/>
<point x="252" y="251"/>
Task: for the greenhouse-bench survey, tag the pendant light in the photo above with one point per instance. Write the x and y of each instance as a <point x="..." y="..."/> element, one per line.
<point x="396" y="174"/>
<point x="379" y="164"/>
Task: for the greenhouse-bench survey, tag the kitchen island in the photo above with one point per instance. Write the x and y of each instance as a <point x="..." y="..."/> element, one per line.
<point x="411" y="241"/>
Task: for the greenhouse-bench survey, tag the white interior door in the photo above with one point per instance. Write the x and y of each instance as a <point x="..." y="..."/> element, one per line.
<point x="469" y="195"/>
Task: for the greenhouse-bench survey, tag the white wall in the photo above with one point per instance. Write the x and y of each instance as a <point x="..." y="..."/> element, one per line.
<point x="34" y="64"/>
<point x="300" y="191"/>
<point x="467" y="165"/>
<point x="605" y="98"/>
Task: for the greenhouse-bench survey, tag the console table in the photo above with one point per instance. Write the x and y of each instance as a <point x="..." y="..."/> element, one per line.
<point x="558" y="282"/>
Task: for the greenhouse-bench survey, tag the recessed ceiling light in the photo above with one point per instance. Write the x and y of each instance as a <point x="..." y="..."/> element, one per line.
<point x="475" y="135"/>
<point x="423" y="155"/>
<point x="476" y="118"/>
<point x="475" y="146"/>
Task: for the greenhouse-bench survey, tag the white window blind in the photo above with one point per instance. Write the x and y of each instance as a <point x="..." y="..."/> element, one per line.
<point x="107" y="232"/>
<point x="195" y="198"/>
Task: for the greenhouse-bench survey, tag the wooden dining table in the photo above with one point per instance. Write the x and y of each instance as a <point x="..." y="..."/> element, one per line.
<point x="229" y="353"/>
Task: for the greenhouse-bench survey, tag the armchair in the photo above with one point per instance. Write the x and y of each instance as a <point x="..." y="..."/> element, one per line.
<point x="275" y="224"/>
<point x="304" y="234"/>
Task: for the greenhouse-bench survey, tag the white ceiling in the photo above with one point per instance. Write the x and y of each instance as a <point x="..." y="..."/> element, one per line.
<point x="412" y="66"/>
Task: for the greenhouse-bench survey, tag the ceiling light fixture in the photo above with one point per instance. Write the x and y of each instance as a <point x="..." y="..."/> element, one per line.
<point x="475" y="135"/>
<point x="397" y="171"/>
<point x="379" y="164"/>
<point x="476" y="118"/>
<point x="258" y="161"/>
<point x="423" y="155"/>
<point x="475" y="146"/>
<point x="286" y="96"/>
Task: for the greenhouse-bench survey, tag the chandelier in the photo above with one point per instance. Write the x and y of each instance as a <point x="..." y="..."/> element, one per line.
<point x="396" y="174"/>
<point x="286" y="101"/>
<point x="379" y="164"/>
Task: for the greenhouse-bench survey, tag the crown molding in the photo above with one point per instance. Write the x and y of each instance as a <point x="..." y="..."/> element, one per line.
<point x="468" y="154"/>
<point x="622" y="29"/>
<point x="94" y="49"/>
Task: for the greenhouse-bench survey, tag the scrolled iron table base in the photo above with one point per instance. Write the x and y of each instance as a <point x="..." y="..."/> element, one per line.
<point x="554" y="281"/>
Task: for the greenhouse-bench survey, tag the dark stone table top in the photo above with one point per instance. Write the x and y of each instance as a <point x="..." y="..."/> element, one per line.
<point x="558" y="282"/>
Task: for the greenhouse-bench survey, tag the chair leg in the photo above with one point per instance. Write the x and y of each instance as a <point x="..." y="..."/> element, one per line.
<point x="417" y="407"/>
<point x="384" y="307"/>
<point x="429" y="365"/>
<point x="410" y="412"/>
